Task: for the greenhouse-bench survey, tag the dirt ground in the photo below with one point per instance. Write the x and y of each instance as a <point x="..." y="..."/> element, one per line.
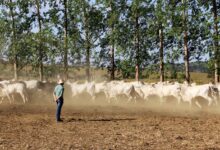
<point x="89" y="125"/>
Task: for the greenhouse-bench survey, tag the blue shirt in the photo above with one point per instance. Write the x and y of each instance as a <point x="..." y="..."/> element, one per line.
<point x="59" y="90"/>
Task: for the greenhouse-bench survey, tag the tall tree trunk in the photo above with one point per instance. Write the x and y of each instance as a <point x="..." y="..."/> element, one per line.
<point x="186" y="51"/>
<point x="87" y="45"/>
<point x="15" y="68"/>
<point x="112" y="47"/>
<point x="112" y="61"/>
<point x="161" y="53"/>
<point x="15" y="60"/>
<point x="137" y="48"/>
<point x="216" y="51"/>
<point x="65" y="41"/>
<point x="40" y="61"/>
<point x="88" y="76"/>
<point x="87" y="55"/>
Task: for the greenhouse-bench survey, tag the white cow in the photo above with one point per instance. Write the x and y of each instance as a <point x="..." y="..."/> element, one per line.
<point x="4" y="82"/>
<point x="8" y="90"/>
<point x="207" y="91"/>
<point x="100" y="87"/>
<point x="87" y="87"/>
<point x="32" y="84"/>
<point x="165" y="90"/>
<point x="147" y="90"/>
<point x="3" y="94"/>
<point x="162" y="90"/>
<point x="138" y="85"/>
<point x="218" y="87"/>
<point x="115" y="89"/>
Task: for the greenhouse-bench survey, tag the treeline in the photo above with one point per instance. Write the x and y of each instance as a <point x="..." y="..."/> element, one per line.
<point x="123" y="35"/>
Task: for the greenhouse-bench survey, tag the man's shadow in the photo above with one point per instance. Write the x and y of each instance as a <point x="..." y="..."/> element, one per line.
<point x="101" y="120"/>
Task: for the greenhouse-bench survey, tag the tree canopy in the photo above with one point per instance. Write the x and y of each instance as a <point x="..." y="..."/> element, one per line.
<point x="118" y="35"/>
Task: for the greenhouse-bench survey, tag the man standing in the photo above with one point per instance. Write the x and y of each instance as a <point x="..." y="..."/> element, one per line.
<point x="58" y="98"/>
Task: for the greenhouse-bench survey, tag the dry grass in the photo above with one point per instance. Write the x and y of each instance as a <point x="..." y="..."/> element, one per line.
<point x="200" y="78"/>
<point x="97" y="75"/>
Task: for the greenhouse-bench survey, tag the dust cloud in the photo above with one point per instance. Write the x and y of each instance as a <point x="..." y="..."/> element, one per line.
<point x="101" y="125"/>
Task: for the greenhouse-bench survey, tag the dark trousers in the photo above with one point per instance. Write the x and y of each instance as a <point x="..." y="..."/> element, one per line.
<point x="59" y="108"/>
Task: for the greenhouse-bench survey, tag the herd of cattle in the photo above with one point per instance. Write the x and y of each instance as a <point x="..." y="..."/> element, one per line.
<point x="182" y="93"/>
<point x="114" y="90"/>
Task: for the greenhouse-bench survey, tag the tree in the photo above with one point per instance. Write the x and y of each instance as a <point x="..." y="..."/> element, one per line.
<point x="14" y="16"/>
<point x="136" y="36"/>
<point x="112" y="11"/>
<point x="58" y="13"/>
<point x="185" y="30"/>
<point x="161" y="21"/>
<point x="127" y="36"/>
<point x="216" y="41"/>
<point x="38" y="7"/>
<point x="90" y="23"/>
<point x="14" y="38"/>
<point x="65" y="3"/>
<point x="135" y="9"/>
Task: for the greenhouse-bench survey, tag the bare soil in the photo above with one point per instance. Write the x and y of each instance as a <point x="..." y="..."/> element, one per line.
<point x="88" y="125"/>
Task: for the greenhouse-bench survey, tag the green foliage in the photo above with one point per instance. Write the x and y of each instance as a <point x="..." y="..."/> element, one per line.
<point x="126" y="70"/>
<point x="181" y="76"/>
<point x="211" y="68"/>
<point x="95" y="26"/>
